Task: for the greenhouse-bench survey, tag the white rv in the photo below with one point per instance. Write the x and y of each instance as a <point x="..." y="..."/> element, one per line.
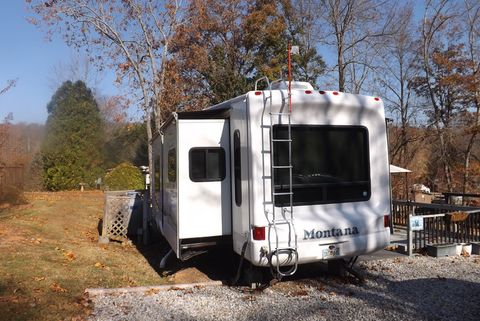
<point x="286" y="187"/>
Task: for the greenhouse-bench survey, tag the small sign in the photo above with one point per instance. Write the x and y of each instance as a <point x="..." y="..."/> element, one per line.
<point x="416" y="223"/>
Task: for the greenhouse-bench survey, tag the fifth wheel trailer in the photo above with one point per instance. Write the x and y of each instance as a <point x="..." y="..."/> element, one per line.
<point x="285" y="183"/>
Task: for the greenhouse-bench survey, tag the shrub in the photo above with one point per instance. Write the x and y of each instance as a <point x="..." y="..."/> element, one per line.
<point x="124" y="177"/>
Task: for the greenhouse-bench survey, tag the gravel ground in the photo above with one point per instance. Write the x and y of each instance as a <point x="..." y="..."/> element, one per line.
<point x="416" y="288"/>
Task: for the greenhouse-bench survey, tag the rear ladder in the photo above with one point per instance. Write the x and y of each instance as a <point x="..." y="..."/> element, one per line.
<point x="278" y="217"/>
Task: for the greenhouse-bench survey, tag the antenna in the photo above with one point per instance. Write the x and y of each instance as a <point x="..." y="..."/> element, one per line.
<point x="290" y="76"/>
<point x="292" y="50"/>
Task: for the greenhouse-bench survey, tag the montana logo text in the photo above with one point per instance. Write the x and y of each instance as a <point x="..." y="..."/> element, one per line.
<point x="334" y="232"/>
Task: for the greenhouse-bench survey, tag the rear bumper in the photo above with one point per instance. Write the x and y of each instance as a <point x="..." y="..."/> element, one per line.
<point x="313" y="250"/>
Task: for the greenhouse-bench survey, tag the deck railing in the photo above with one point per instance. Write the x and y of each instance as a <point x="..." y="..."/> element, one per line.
<point x="442" y="223"/>
<point x="401" y="210"/>
<point x="448" y="228"/>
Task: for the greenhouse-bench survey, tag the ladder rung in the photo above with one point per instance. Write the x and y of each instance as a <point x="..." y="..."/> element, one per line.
<point x="266" y="177"/>
<point x="266" y="152"/>
<point x="280" y="194"/>
<point x="280" y="114"/>
<point x="280" y="222"/>
<point x="281" y="140"/>
<point x="292" y="249"/>
<point x="283" y="167"/>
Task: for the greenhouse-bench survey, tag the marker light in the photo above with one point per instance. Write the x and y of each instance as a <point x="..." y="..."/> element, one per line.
<point x="322" y="92"/>
<point x="377" y="99"/>
<point x="386" y="221"/>
<point x="335" y="93"/>
<point x="259" y="233"/>
<point x="258" y="93"/>
<point x="308" y="92"/>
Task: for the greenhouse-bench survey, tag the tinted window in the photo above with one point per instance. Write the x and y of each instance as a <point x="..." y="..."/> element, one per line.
<point x="330" y="164"/>
<point x="156" y="177"/>
<point x="172" y="165"/>
<point x="237" y="168"/>
<point x="207" y="164"/>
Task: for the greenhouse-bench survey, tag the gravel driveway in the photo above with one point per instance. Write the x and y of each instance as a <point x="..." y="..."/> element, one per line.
<point x="416" y="288"/>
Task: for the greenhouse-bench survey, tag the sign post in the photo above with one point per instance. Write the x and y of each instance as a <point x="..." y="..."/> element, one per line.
<point x="415" y="223"/>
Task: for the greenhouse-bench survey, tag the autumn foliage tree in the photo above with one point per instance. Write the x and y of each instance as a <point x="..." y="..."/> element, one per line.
<point x="226" y="45"/>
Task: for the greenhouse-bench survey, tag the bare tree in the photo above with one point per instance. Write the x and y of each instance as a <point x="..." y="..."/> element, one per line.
<point x="394" y="78"/>
<point x="78" y="67"/>
<point x="438" y="15"/>
<point x="10" y="84"/>
<point x="472" y="130"/>
<point x="356" y="29"/>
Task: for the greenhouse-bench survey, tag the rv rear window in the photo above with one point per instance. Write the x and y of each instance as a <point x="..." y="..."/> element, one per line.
<point x="330" y="164"/>
<point x="207" y="164"/>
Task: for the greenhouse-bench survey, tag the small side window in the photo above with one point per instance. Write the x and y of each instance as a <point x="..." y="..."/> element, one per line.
<point x="172" y="165"/>
<point x="237" y="168"/>
<point x="207" y="164"/>
<point x="157" y="167"/>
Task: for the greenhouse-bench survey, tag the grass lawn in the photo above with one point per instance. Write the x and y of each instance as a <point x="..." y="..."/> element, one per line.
<point x="49" y="255"/>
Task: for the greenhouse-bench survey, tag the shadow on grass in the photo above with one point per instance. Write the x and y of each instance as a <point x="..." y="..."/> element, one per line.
<point x="219" y="264"/>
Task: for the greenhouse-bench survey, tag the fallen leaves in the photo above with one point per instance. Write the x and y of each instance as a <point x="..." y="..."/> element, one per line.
<point x="55" y="287"/>
<point x="92" y="237"/>
<point x="99" y="265"/>
<point x="36" y="240"/>
<point x="69" y="256"/>
<point x="151" y="292"/>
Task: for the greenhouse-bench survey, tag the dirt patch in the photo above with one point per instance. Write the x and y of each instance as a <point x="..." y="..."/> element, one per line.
<point x="292" y="289"/>
<point x="188" y="275"/>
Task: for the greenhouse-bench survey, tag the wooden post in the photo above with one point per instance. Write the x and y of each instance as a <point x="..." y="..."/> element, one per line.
<point x="145" y="217"/>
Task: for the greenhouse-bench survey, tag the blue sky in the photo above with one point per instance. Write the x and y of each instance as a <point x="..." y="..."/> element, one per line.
<point x="27" y="55"/>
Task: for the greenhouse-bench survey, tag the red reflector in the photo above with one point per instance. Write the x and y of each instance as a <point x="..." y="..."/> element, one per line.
<point x="258" y="93"/>
<point x="377" y="99"/>
<point x="308" y="92"/>
<point x="386" y="221"/>
<point x="335" y="93"/>
<point x="259" y="233"/>
<point x="322" y="92"/>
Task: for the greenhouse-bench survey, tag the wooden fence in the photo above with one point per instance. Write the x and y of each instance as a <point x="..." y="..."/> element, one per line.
<point x="11" y="176"/>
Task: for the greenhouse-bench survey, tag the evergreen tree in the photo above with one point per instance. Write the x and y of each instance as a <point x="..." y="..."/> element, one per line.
<point x="72" y="150"/>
